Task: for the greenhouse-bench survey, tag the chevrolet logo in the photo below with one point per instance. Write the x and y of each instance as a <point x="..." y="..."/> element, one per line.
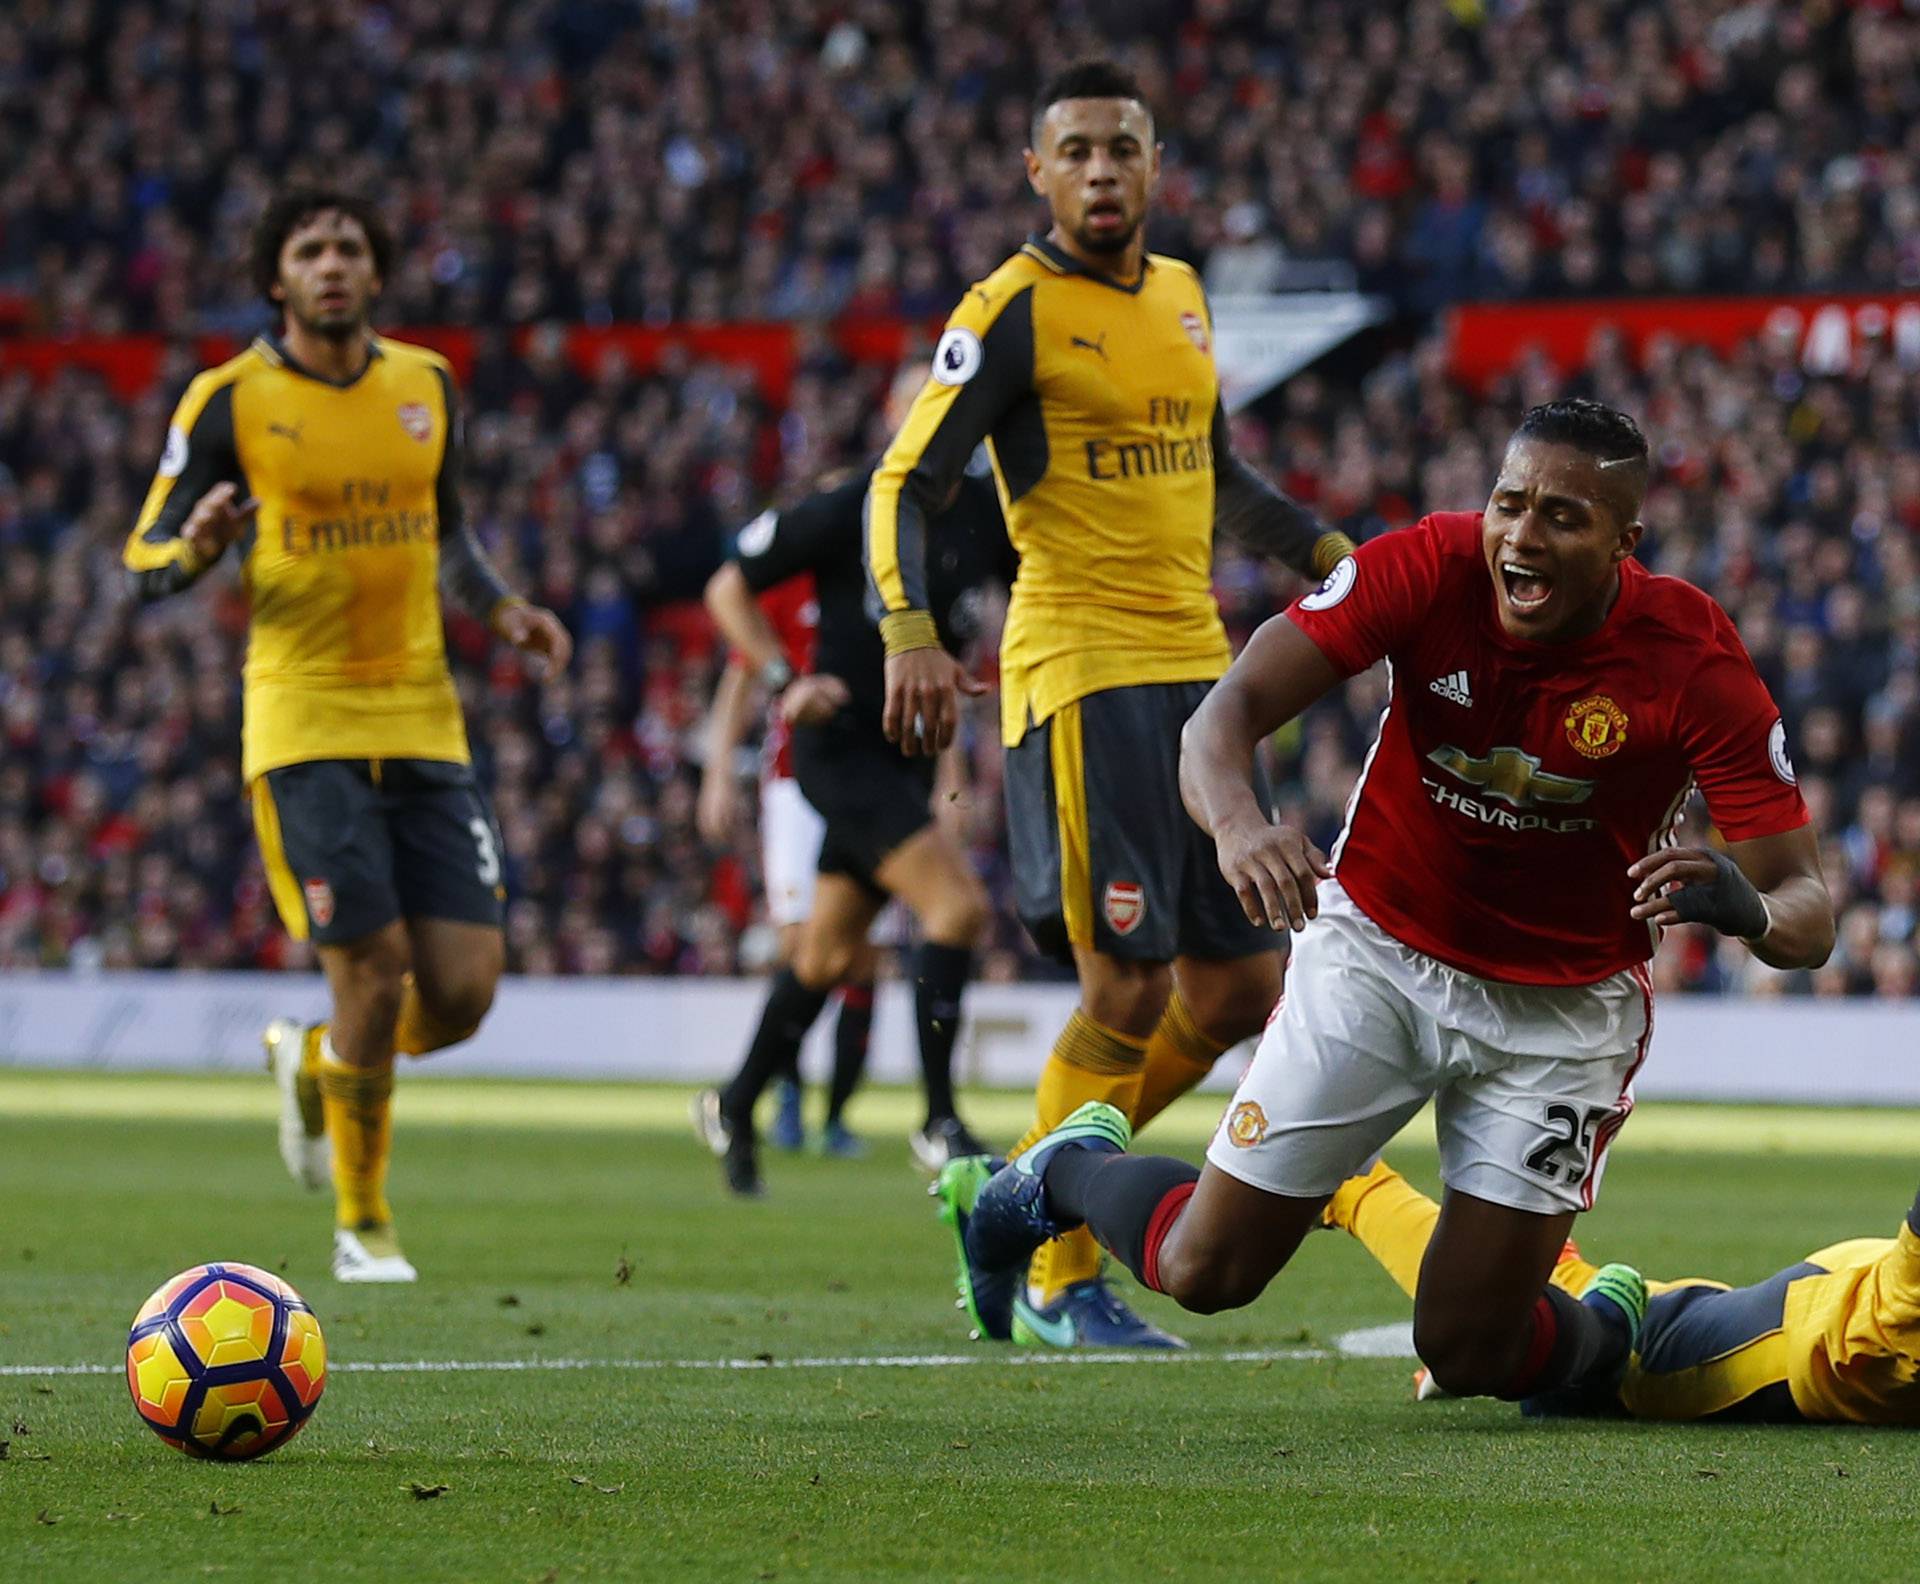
<point x="1511" y="775"/>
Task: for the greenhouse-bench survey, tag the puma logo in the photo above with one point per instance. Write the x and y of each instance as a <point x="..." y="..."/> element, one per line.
<point x="287" y="431"/>
<point x="1099" y="346"/>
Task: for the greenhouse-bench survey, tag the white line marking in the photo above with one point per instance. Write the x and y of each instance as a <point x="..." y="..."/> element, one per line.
<point x="1021" y="1359"/>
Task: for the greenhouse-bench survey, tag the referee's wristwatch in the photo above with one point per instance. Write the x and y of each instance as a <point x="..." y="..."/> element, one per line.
<point x="776" y="674"/>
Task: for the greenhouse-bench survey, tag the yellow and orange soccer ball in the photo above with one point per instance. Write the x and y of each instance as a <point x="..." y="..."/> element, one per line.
<point x="225" y="1361"/>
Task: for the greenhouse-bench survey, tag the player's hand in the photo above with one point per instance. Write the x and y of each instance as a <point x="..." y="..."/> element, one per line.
<point x="1274" y="870"/>
<point x="716" y="812"/>
<point x="536" y="631"/>
<point x="813" y="700"/>
<point x="923" y="700"/>
<point x="217" y="519"/>
<point x="1696" y="885"/>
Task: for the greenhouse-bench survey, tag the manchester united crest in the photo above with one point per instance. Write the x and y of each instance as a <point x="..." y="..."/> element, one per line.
<point x="1246" y="1125"/>
<point x="417" y="419"/>
<point x="1196" y="329"/>
<point x="1596" y="726"/>
<point x="1126" y="903"/>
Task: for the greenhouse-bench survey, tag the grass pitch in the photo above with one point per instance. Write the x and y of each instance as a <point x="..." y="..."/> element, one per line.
<point x="611" y="1371"/>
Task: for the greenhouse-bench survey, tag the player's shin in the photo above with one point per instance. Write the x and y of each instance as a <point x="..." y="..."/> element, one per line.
<point x="852" y="1035"/>
<point x="358" y="1103"/>
<point x="1128" y="1202"/>
<point x="1393" y="1220"/>
<point x="1179" y="1055"/>
<point x="1089" y="1061"/>
<point x="790" y="1011"/>
<point x="940" y="975"/>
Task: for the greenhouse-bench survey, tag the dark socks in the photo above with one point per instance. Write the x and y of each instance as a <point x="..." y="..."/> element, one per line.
<point x="1128" y="1202"/>
<point x="940" y="975"/>
<point x="852" y="1033"/>
<point x="1573" y="1344"/>
<point x="790" y="1011"/>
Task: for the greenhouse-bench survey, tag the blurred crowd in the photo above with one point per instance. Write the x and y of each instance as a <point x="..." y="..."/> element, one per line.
<point x="593" y="161"/>
<point x="667" y="160"/>
<point x="123" y="835"/>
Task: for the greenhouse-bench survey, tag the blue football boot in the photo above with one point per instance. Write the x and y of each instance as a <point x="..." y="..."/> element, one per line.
<point x="1006" y="1217"/>
<point x="789" y="1131"/>
<point x="1087" y="1314"/>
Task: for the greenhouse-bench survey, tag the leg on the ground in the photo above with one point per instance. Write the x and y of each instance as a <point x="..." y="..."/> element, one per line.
<point x="456" y="969"/>
<point x="356" y="1095"/>
<point x="1392" y="1219"/>
<point x="1204" y="1238"/>
<point x="930" y="873"/>
<point x="1487" y="1321"/>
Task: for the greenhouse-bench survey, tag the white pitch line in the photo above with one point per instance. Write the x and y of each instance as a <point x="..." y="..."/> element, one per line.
<point x="1026" y="1360"/>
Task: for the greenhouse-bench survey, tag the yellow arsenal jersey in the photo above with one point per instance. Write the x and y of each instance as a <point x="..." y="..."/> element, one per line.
<point x="1853" y="1335"/>
<point x="358" y="508"/>
<point x="1100" y="407"/>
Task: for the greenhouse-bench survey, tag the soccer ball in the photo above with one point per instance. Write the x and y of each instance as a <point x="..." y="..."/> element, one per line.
<point x="225" y="1361"/>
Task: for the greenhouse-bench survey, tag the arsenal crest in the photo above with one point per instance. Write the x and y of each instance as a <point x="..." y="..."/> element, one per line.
<point x="1126" y="904"/>
<point x="319" y="902"/>
<point x="1196" y="329"/>
<point x="1596" y="726"/>
<point x="417" y="419"/>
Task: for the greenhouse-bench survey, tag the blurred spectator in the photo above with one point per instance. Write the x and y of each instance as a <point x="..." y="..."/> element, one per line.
<point x="655" y="160"/>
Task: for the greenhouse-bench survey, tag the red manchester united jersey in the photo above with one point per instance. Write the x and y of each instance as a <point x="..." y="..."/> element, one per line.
<point x="1513" y="782"/>
<point x="794" y="612"/>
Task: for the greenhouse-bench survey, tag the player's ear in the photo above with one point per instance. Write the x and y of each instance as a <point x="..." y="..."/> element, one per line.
<point x="1629" y="540"/>
<point x="1035" y="179"/>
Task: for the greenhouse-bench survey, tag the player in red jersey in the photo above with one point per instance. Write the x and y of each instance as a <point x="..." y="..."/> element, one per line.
<point x="1480" y="934"/>
<point x="791" y="832"/>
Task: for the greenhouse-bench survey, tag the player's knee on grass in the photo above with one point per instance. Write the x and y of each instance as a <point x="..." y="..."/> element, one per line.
<point x="1466" y="1356"/>
<point x="1206" y="1280"/>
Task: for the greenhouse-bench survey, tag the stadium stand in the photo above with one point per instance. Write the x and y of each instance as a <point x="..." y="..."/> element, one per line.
<point x="598" y="163"/>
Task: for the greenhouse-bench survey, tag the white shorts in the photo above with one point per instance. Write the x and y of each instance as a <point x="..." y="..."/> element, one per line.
<point x="790" y="836"/>
<point x="1531" y="1083"/>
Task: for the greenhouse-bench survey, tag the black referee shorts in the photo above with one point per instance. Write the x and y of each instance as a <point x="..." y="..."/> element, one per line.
<point x="872" y="797"/>
<point x="350" y="845"/>
<point x="1104" y="855"/>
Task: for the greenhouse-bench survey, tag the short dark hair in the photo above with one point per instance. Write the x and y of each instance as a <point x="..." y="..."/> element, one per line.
<point x="294" y="208"/>
<point x="1603" y="432"/>
<point x="1085" y="79"/>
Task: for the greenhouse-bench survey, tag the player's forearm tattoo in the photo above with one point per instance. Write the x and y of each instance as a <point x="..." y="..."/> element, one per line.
<point x="467" y="577"/>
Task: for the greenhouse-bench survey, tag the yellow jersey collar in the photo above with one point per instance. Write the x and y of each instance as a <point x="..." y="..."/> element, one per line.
<point x="1063" y="263"/>
<point x="269" y="345"/>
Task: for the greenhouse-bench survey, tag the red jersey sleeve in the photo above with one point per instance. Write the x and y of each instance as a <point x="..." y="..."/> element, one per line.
<point x="1736" y="743"/>
<point x="1373" y="601"/>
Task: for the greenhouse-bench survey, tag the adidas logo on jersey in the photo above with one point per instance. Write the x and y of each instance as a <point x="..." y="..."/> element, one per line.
<point x="1455" y="688"/>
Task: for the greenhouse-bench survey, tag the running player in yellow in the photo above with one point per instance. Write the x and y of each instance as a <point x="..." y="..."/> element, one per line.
<point x="1086" y="364"/>
<point x="331" y="457"/>
<point x="1834" y="1337"/>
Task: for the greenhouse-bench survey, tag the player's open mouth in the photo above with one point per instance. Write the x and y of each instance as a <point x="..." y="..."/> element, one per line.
<point x="1527" y="587"/>
<point x="1105" y="211"/>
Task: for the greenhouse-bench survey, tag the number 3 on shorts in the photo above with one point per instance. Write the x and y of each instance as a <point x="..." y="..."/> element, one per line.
<point x="488" y="869"/>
